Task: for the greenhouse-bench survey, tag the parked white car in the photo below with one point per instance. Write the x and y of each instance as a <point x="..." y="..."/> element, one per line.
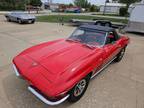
<point x="20" y="17"/>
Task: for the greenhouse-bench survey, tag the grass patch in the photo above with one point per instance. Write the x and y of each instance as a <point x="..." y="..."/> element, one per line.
<point x="114" y="15"/>
<point x="66" y="18"/>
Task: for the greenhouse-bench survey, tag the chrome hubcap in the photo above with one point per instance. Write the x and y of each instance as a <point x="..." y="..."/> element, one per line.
<point x="19" y="21"/>
<point x="79" y="88"/>
<point x="122" y="53"/>
<point x="29" y="21"/>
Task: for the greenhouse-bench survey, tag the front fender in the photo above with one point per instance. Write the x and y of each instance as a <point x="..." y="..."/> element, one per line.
<point x="70" y="78"/>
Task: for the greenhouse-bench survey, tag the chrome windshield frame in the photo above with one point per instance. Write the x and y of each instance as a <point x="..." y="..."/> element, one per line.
<point x="106" y="34"/>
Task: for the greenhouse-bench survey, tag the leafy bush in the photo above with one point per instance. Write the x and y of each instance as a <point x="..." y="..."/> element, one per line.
<point x="7" y="6"/>
<point x="17" y="4"/>
<point x="93" y="8"/>
<point x="123" y="11"/>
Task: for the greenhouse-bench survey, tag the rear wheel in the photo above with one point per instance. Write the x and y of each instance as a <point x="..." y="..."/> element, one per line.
<point x="120" y="55"/>
<point x="79" y="89"/>
<point x="108" y="24"/>
<point x="8" y="19"/>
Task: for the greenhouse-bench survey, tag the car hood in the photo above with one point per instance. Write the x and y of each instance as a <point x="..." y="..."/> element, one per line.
<point x="59" y="56"/>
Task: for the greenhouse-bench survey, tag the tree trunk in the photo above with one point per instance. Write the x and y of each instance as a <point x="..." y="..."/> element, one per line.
<point x="127" y="7"/>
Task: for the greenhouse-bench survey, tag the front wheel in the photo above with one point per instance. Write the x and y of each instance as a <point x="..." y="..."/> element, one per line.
<point x="19" y="21"/>
<point x="79" y="89"/>
<point x="120" y="55"/>
<point x="33" y="22"/>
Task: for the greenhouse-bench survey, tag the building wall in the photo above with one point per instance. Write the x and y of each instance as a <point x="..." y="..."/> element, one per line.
<point x="54" y="7"/>
<point x="110" y="9"/>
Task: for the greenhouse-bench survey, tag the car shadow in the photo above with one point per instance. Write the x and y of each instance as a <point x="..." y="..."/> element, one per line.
<point x="19" y="97"/>
<point x="16" y="23"/>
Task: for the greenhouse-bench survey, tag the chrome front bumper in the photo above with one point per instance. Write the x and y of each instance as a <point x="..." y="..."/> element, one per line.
<point x="43" y="99"/>
<point x="38" y="95"/>
<point x="16" y="71"/>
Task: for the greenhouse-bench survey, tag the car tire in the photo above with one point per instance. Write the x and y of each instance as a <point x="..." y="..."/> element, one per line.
<point x="120" y="55"/>
<point x="19" y="21"/>
<point x="8" y="19"/>
<point x="107" y="24"/>
<point x="98" y="23"/>
<point x="79" y="89"/>
<point x="33" y="22"/>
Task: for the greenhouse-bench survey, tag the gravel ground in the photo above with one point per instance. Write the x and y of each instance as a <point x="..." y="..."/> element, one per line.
<point x="121" y="85"/>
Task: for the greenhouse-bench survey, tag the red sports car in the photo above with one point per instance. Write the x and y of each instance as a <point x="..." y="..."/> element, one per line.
<point x="61" y="70"/>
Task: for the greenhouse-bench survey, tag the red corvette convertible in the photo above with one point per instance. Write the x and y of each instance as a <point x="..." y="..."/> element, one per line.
<point x="61" y="70"/>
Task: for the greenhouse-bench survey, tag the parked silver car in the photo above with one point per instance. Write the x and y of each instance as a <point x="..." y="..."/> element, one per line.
<point x="20" y="17"/>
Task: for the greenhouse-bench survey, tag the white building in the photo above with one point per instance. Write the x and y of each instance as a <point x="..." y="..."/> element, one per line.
<point x="50" y="6"/>
<point x="54" y="7"/>
<point x="111" y="7"/>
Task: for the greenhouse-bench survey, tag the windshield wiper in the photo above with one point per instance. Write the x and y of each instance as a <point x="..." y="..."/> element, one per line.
<point x="89" y="46"/>
<point x="74" y="40"/>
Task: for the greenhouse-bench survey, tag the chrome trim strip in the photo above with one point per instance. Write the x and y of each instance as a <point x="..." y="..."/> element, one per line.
<point x="16" y="71"/>
<point x="106" y="38"/>
<point x="38" y="95"/>
<point x="106" y="65"/>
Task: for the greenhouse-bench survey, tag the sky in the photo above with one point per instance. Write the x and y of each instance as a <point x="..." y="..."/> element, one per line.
<point x="70" y="1"/>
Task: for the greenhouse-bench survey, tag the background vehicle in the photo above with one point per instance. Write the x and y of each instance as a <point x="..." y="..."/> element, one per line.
<point x="61" y="69"/>
<point x="20" y="17"/>
<point x="107" y="23"/>
<point x="73" y="10"/>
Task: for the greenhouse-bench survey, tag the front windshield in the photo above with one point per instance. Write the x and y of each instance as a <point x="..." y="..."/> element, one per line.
<point x="89" y="36"/>
<point x="19" y="13"/>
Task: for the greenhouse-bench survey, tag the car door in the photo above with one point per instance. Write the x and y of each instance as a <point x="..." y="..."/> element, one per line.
<point x="111" y="48"/>
<point x="14" y="16"/>
<point x="10" y="17"/>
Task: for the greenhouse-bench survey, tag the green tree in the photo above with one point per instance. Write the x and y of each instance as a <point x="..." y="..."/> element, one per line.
<point x="123" y="11"/>
<point x="93" y="8"/>
<point x="35" y="2"/>
<point x="115" y="0"/>
<point x="11" y="4"/>
<point x="18" y="4"/>
<point x="82" y="3"/>
<point x="70" y="4"/>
